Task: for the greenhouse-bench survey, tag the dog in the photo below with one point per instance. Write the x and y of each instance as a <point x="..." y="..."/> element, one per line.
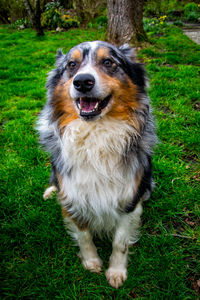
<point x="98" y="127"/>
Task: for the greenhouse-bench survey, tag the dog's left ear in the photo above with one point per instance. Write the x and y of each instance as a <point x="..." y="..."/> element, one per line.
<point x="128" y="51"/>
<point x="59" y="57"/>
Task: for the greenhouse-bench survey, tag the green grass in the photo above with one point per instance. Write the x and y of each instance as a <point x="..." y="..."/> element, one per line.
<point x="39" y="260"/>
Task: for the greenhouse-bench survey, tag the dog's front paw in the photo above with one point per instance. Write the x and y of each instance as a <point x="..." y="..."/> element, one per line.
<point x="92" y="264"/>
<point x="116" y="277"/>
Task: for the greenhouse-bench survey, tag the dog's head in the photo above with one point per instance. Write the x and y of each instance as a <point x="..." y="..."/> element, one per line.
<point x="95" y="79"/>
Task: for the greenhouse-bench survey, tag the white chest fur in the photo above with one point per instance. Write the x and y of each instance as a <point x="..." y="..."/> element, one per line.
<point x="99" y="180"/>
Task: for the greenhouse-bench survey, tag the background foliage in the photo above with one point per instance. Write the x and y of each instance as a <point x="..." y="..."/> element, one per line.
<point x="55" y="16"/>
<point x="86" y="11"/>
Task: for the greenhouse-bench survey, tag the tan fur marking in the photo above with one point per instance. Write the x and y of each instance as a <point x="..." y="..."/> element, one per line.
<point x="138" y="179"/>
<point x="76" y="55"/>
<point x="59" y="178"/>
<point x="60" y="194"/>
<point x="102" y="53"/>
<point x="125" y="95"/>
<point x="64" y="110"/>
<point x="66" y="214"/>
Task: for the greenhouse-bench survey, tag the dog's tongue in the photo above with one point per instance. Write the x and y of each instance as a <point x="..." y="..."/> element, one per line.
<point x="87" y="105"/>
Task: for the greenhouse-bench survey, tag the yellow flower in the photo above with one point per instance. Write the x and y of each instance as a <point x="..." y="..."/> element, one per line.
<point x="162" y="18"/>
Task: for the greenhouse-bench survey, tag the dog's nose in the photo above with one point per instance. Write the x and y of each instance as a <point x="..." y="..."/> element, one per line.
<point x="84" y="82"/>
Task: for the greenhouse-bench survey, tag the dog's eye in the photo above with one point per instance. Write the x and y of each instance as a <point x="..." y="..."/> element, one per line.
<point x="107" y="62"/>
<point x="72" y="64"/>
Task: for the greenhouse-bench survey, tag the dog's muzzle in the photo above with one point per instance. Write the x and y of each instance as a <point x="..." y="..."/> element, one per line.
<point x="89" y="106"/>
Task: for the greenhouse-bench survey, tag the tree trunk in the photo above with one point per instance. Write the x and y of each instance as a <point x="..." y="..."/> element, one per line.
<point x="35" y="15"/>
<point x="125" y="21"/>
<point x="38" y="26"/>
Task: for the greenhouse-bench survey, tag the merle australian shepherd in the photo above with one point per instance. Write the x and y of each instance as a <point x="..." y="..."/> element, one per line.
<point x="98" y="128"/>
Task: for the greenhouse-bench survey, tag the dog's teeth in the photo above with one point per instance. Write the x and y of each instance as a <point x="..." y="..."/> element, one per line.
<point x="96" y="105"/>
<point x="79" y="106"/>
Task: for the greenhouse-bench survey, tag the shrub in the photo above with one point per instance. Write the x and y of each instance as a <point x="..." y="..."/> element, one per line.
<point x="12" y="10"/>
<point x="174" y="9"/>
<point x="158" y="7"/>
<point x="21" y="23"/>
<point x="178" y="23"/>
<point x="152" y="8"/>
<point x="155" y="25"/>
<point x="55" y="16"/>
<point x="190" y="7"/>
<point x="191" y="12"/>
<point x="193" y="16"/>
<point x="99" y="22"/>
<point x="88" y="10"/>
<point x="102" y="21"/>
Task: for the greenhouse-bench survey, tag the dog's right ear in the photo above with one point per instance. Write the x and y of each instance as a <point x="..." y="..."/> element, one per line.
<point x="59" y="57"/>
<point x="128" y="51"/>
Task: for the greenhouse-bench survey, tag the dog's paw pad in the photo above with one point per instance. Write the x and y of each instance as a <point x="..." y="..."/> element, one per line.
<point x="49" y="191"/>
<point x="93" y="264"/>
<point x="116" y="277"/>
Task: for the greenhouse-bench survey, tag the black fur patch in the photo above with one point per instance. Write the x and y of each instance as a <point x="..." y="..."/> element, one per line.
<point x="85" y="52"/>
<point x="144" y="186"/>
<point x="53" y="81"/>
<point x="53" y="178"/>
<point x="136" y="73"/>
<point x="134" y="70"/>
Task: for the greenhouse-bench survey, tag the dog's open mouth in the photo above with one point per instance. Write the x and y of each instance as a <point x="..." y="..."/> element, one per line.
<point x="91" y="107"/>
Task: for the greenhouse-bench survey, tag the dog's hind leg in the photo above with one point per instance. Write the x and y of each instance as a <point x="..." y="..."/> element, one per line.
<point x="126" y="233"/>
<point x="49" y="192"/>
<point x="88" y="252"/>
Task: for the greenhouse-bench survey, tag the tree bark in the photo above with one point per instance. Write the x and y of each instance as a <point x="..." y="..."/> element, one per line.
<point x="38" y="13"/>
<point x="35" y="16"/>
<point x="125" y="21"/>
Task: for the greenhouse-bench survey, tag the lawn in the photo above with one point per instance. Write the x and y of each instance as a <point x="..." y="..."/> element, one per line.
<point x="39" y="260"/>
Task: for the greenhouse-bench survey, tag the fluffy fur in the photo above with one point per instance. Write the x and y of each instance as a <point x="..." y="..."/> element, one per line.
<point x="98" y="128"/>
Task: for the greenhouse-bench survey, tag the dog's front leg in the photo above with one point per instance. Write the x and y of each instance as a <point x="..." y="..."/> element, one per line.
<point x="126" y="233"/>
<point x="88" y="252"/>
